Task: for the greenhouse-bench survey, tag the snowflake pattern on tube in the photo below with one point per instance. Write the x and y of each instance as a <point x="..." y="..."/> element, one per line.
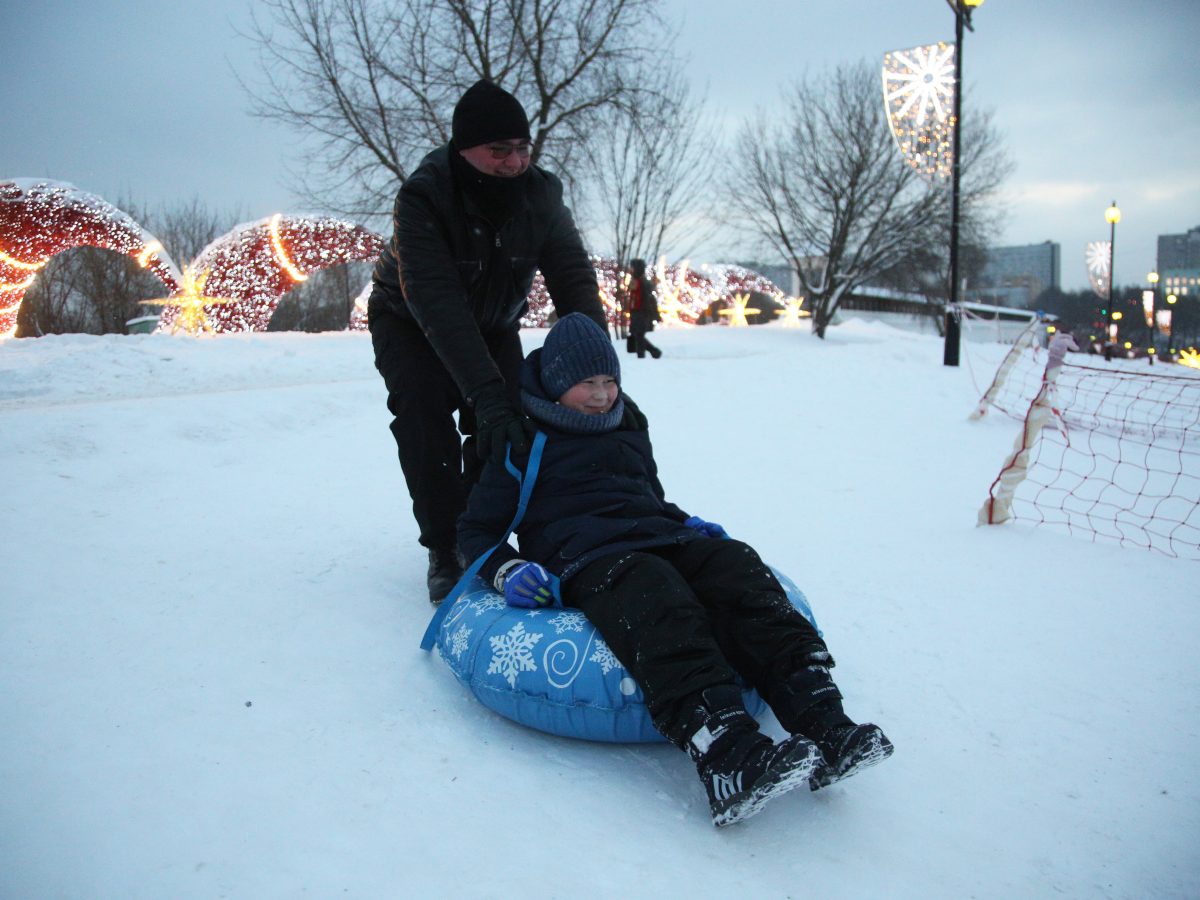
<point x="512" y="653"/>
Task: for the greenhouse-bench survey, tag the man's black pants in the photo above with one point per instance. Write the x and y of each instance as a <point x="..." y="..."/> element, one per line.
<point x="438" y="468"/>
<point x="687" y="617"/>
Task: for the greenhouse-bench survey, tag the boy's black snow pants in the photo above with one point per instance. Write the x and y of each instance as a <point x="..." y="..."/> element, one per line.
<point x="686" y="617"/>
<point x="438" y="468"/>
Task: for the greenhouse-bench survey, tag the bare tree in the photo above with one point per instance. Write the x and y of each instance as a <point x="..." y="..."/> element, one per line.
<point x="188" y="227"/>
<point x="371" y="84"/>
<point x="324" y="301"/>
<point x="51" y="304"/>
<point x="827" y="189"/>
<point x="648" y="173"/>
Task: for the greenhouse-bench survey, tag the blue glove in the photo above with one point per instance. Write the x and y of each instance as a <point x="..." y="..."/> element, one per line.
<point x="708" y="529"/>
<point x="527" y="585"/>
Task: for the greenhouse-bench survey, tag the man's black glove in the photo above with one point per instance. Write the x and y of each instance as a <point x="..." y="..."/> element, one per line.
<point x="633" y="418"/>
<point x="499" y="423"/>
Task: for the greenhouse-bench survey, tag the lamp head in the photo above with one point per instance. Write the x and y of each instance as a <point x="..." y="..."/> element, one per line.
<point x="1112" y="215"/>
<point x="1152" y="278"/>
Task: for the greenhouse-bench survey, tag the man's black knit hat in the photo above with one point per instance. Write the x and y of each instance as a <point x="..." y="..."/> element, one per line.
<point x="488" y="113"/>
<point x="576" y="348"/>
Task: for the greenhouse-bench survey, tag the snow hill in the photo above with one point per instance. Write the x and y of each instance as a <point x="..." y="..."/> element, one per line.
<point x="210" y="684"/>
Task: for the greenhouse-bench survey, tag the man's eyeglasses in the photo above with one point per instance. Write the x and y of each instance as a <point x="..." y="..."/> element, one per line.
<point x="501" y="151"/>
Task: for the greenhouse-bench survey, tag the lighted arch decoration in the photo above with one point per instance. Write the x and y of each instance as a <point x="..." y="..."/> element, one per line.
<point x="255" y="264"/>
<point x="39" y="219"/>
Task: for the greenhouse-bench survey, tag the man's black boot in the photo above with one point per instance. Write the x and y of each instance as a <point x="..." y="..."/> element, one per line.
<point x="445" y="568"/>
<point x="741" y="768"/>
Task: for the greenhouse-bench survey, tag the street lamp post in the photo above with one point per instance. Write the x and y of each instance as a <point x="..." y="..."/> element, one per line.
<point x="1112" y="215"/>
<point x="962" y="17"/>
<point x="1171" y="298"/>
<point x="1152" y="324"/>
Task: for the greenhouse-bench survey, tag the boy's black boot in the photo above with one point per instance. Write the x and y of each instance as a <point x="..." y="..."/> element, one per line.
<point x="848" y="748"/>
<point x="741" y="768"/>
<point x="808" y="702"/>
<point x="445" y="568"/>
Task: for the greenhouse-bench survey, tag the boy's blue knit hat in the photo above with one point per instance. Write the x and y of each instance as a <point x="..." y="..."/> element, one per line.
<point x="576" y="348"/>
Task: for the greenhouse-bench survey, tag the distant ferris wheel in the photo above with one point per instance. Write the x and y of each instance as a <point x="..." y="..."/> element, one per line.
<point x="918" y="94"/>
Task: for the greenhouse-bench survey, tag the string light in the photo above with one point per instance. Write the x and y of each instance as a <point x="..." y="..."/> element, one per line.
<point x="918" y="96"/>
<point x="17" y="264"/>
<point x="151" y="249"/>
<point x="17" y="286"/>
<point x="281" y="254"/>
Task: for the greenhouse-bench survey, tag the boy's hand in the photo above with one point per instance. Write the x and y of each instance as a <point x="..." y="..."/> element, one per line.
<point x="708" y="529"/>
<point x="526" y="585"/>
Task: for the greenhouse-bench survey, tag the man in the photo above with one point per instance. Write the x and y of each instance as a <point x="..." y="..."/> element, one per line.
<point x="472" y="225"/>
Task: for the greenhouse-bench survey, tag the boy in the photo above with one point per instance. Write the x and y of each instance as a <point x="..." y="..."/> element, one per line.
<point x="684" y="608"/>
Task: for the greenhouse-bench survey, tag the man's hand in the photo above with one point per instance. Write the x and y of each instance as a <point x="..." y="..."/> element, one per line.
<point x="498" y="423"/>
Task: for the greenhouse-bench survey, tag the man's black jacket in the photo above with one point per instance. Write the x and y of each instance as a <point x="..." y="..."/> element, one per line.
<point x="460" y="277"/>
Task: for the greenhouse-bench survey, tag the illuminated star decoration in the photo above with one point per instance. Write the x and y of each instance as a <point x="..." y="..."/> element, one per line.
<point x="39" y="219"/>
<point x="1189" y="358"/>
<point x="1098" y="254"/>
<point x="738" y="311"/>
<point x="791" y="314"/>
<point x="190" y="302"/>
<point x="918" y="95"/>
<point x="255" y="264"/>
<point x="678" y="294"/>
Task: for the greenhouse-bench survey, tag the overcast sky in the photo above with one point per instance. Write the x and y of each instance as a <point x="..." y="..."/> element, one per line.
<point x="1095" y="101"/>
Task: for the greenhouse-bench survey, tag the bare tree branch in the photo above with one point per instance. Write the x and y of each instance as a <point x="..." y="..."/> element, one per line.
<point x="648" y="173"/>
<point x="370" y="85"/>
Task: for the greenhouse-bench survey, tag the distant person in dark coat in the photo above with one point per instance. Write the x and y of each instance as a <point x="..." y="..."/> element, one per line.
<point x="472" y="225"/>
<point x="643" y="309"/>
<point x="683" y="607"/>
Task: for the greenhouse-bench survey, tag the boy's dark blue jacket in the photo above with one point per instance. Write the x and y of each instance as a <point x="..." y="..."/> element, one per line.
<point x="595" y="494"/>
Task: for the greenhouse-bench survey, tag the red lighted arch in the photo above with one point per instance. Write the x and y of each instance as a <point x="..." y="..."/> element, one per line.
<point x="255" y="264"/>
<point x="39" y="219"/>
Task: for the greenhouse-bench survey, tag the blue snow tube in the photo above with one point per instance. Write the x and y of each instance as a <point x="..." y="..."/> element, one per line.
<point x="549" y="669"/>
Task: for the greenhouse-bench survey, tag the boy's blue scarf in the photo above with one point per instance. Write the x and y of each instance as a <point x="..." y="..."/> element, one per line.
<point x="542" y="409"/>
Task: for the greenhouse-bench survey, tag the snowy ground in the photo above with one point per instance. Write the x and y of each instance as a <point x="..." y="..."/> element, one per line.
<point x="213" y="596"/>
